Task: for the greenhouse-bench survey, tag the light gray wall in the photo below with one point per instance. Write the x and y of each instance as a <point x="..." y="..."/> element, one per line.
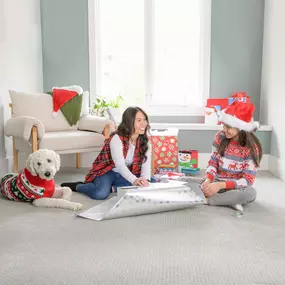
<point x="20" y="60"/>
<point x="65" y="43"/>
<point x="202" y="140"/>
<point x="236" y="48"/>
<point x="273" y="83"/>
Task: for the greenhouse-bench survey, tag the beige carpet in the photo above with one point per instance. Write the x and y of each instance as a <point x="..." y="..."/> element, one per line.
<point x="205" y="245"/>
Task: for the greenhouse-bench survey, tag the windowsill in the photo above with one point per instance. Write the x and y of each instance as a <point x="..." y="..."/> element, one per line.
<point x="199" y="127"/>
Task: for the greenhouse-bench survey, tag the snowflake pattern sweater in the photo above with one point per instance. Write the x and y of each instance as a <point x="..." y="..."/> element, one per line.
<point x="236" y="167"/>
<point x="25" y="187"/>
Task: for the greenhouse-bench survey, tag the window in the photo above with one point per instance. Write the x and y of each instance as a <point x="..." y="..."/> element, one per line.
<point x="153" y="52"/>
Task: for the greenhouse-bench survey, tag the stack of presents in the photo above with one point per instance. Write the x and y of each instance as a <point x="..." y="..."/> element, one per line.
<point x="215" y="105"/>
<point x="168" y="160"/>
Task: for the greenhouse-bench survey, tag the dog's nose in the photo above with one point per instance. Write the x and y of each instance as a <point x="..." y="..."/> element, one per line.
<point x="47" y="174"/>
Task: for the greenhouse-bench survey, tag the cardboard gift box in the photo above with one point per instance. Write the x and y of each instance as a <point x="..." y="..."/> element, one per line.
<point x="164" y="148"/>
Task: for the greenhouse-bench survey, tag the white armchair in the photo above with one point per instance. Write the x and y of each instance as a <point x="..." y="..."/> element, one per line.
<point x="33" y="126"/>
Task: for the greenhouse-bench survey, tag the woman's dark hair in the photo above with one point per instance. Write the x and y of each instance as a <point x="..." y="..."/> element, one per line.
<point x="126" y="128"/>
<point x="246" y="139"/>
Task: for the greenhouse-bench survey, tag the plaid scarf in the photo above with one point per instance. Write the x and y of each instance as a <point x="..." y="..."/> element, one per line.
<point x="104" y="163"/>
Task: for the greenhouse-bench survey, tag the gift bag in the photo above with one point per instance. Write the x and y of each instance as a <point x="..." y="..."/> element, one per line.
<point x="212" y="115"/>
<point x="187" y="160"/>
<point x="164" y="148"/>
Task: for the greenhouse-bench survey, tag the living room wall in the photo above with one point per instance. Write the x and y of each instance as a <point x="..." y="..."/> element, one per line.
<point x="273" y="83"/>
<point x="20" y="57"/>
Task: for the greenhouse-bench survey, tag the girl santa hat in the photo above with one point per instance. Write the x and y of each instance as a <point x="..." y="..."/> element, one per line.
<point x="239" y="115"/>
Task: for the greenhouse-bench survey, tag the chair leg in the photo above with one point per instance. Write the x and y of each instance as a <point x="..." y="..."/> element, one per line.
<point x="34" y="139"/>
<point x="77" y="160"/>
<point x="15" y="158"/>
<point x="106" y="131"/>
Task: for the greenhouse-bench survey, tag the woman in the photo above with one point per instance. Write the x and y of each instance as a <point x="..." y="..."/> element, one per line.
<point x="235" y="158"/>
<point x="125" y="159"/>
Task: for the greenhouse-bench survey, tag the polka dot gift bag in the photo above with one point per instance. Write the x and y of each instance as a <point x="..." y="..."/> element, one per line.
<point x="164" y="147"/>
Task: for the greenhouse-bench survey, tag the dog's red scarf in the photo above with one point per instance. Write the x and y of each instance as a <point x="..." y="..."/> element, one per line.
<point x="26" y="187"/>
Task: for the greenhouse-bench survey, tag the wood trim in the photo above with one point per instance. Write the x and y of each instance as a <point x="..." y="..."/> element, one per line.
<point x="106" y="131"/>
<point x="78" y="160"/>
<point x="15" y="157"/>
<point x="34" y="139"/>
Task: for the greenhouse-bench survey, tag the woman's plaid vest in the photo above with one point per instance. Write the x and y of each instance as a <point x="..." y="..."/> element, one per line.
<point x="104" y="163"/>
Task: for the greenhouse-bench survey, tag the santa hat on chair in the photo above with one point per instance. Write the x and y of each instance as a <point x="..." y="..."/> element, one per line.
<point x="62" y="95"/>
<point x="239" y="115"/>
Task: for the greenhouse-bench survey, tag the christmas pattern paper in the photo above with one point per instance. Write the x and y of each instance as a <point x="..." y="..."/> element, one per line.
<point x="165" y="151"/>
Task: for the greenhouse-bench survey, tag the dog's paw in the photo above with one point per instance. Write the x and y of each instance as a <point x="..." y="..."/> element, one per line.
<point x="75" y="206"/>
<point x="67" y="193"/>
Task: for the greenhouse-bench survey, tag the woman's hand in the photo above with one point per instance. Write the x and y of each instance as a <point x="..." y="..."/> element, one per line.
<point x="141" y="182"/>
<point x="210" y="189"/>
<point x="206" y="182"/>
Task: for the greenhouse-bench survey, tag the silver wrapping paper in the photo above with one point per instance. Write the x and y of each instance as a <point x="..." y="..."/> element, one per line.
<point x="158" y="197"/>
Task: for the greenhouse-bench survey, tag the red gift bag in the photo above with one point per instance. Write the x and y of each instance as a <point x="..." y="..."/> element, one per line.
<point x="164" y="148"/>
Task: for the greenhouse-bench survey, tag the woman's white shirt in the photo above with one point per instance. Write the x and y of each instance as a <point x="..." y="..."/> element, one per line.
<point x="121" y="164"/>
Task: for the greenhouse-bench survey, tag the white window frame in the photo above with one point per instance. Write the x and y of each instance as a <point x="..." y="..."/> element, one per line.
<point x="156" y="110"/>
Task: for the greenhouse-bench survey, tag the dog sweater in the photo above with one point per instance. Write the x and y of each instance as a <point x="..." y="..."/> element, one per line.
<point x="26" y="187"/>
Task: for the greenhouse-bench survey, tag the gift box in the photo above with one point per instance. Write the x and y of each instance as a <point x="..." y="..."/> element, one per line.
<point x="214" y="102"/>
<point x="164" y="148"/>
<point x="239" y="96"/>
<point x="187" y="160"/>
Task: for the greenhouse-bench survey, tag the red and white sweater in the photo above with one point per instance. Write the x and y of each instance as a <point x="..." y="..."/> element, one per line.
<point x="236" y="167"/>
<point x="26" y="187"/>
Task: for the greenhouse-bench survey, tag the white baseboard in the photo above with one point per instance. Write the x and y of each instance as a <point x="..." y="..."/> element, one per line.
<point x="277" y="167"/>
<point x="68" y="160"/>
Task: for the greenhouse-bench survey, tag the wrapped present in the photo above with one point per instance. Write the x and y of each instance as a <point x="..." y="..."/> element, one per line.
<point x="187" y="160"/>
<point x="164" y="148"/>
<point x="239" y="96"/>
<point x="222" y="102"/>
<point x="190" y="172"/>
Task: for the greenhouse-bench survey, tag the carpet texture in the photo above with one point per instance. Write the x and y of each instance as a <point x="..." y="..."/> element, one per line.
<point x="204" y="245"/>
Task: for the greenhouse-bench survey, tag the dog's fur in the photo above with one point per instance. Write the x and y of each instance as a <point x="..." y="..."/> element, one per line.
<point x="45" y="163"/>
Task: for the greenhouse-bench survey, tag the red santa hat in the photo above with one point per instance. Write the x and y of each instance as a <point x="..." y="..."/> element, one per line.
<point x="62" y="95"/>
<point x="239" y="115"/>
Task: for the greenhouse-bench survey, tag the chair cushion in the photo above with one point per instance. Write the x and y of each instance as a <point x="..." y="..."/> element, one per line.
<point x="40" y="106"/>
<point x="68" y="140"/>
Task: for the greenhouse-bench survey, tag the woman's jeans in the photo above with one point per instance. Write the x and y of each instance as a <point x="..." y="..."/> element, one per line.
<point x="100" y="187"/>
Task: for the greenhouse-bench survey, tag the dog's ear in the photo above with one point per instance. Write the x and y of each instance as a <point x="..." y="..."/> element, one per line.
<point x="30" y="164"/>
<point x="57" y="161"/>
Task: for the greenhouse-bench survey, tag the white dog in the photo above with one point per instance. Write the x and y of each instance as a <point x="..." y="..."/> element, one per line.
<point x="36" y="183"/>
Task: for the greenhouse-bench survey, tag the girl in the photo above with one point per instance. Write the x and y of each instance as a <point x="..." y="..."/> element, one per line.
<point x="125" y="159"/>
<point x="235" y="158"/>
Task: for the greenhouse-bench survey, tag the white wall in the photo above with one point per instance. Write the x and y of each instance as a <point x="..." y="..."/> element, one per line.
<point x="20" y="58"/>
<point x="273" y="82"/>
